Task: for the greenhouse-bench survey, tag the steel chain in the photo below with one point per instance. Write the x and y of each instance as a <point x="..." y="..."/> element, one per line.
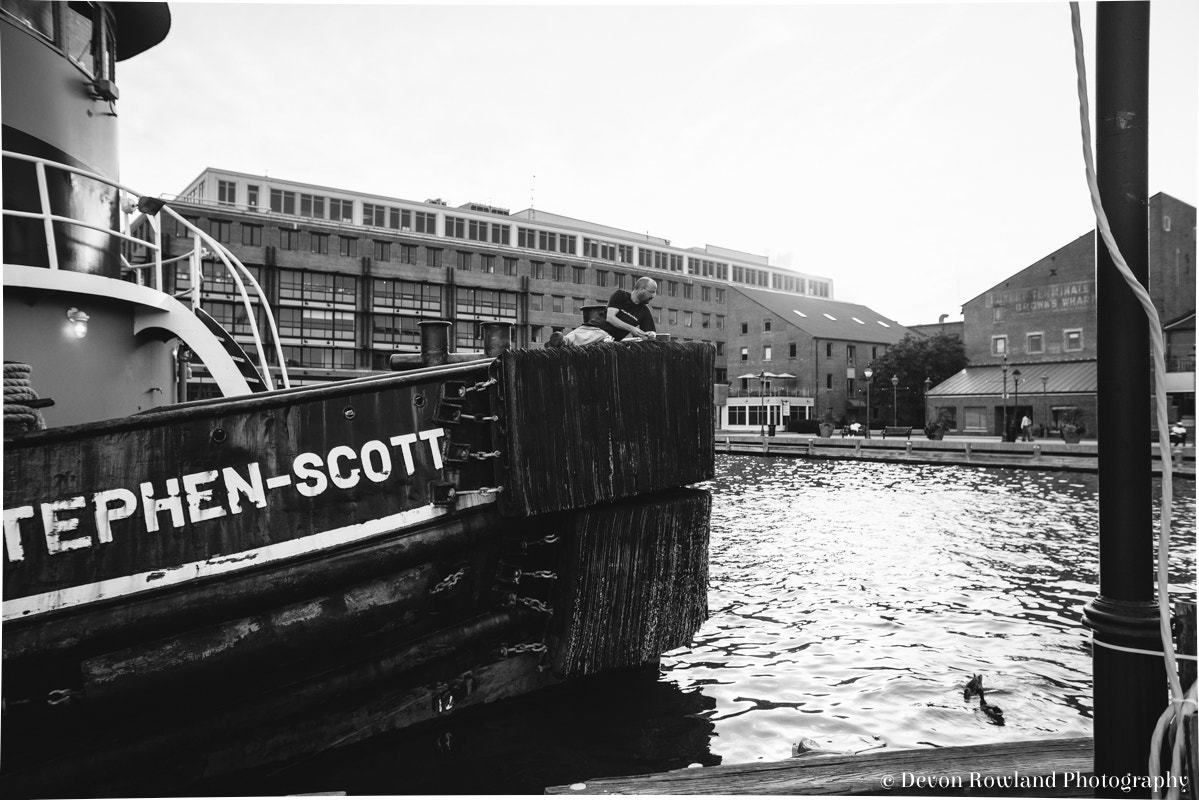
<point x="482" y="456"/>
<point x="481" y="385"/>
<point x="506" y="651"/>
<point x="448" y="581"/>
<point x="540" y="573"/>
<point x="58" y="696"/>
<point x="536" y="605"/>
<point x="474" y="418"/>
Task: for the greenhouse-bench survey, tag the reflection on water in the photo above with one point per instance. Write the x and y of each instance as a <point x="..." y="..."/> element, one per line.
<point x="850" y="603"/>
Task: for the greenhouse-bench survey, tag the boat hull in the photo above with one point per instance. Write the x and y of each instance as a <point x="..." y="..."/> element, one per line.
<point x="297" y="570"/>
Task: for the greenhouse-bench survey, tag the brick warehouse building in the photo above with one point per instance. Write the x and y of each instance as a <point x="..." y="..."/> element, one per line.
<point x="349" y="275"/>
<point x="816" y="348"/>
<point x="1042" y="322"/>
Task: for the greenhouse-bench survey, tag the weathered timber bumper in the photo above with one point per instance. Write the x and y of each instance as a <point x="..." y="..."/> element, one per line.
<point x="587" y="425"/>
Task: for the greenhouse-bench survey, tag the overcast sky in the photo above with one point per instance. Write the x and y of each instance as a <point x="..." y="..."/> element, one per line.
<point x="916" y="154"/>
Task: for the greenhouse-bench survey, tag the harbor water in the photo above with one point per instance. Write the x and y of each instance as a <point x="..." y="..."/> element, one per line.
<point x="850" y="602"/>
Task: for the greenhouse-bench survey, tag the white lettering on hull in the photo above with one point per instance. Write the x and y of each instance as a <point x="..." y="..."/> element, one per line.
<point x="193" y="496"/>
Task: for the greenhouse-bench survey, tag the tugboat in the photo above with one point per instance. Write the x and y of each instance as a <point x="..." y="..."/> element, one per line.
<point x="194" y="589"/>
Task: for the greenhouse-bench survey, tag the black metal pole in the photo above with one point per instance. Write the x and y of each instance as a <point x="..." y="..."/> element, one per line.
<point x="1129" y="688"/>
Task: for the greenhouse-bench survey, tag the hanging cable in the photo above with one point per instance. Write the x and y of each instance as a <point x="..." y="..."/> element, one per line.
<point x="1180" y="703"/>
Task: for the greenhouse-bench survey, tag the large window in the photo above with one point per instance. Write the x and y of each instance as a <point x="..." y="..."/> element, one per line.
<point x="221" y="230"/>
<point x="289" y="239"/>
<point x="318" y="357"/>
<point x="341" y="210"/>
<point x="395" y="295"/>
<point x="998" y="345"/>
<point x="251" y="235"/>
<point x="215" y="279"/>
<point x="315" y="323"/>
<point x="312" y="205"/>
<point x="455" y="227"/>
<point x="1034" y="343"/>
<point x="425" y="222"/>
<point x="487" y="304"/>
<point x="231" y="315"/>
<point x="463" y="261"/>
<point x="296" y="286"/>
<point x="395" y="331"/>
<point x="319" y="243"/>
<point x="976" y="418"/>
<point x="382" y="250"/>
<point x="1072" y="340"/>
<point x="347" y="246"/>
<point x="283" y="202"/>
<point x="226" y="193"/>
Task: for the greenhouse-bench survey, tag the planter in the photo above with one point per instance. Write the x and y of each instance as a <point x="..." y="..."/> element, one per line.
<point x="826" y="430"/>
<point x="1071" y="437"/>
<point x="936" y="436"/>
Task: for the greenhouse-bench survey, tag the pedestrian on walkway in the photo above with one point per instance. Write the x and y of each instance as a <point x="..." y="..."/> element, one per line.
<point x="1026" y="428"/>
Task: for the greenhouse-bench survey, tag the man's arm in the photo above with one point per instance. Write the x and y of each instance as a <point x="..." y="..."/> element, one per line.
<point x="615" y="320"/>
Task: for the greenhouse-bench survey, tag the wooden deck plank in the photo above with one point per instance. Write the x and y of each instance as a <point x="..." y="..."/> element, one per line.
<point x="1040" y="768"/>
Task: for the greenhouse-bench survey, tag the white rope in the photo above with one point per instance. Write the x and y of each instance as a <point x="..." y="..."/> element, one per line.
<point x="1138" y="651"/>
<point x="1157" y="342"/>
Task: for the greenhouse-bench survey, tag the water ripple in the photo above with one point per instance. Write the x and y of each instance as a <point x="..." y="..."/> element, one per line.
<point x="851" y="601"/>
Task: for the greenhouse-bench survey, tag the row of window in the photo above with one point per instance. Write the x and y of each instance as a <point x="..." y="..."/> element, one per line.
<point x="320" y="207"/>
<point x="851" y="350"/>
<point x="387" y="251"/>
<point x="1034" y="343"/>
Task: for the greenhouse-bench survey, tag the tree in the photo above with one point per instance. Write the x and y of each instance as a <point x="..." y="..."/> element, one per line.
<point x="912" y="359"/>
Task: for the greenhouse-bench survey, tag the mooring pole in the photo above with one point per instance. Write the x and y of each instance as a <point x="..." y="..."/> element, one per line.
<point x="1130" y="689"/>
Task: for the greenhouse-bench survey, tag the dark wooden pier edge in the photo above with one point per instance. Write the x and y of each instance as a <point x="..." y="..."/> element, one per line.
<point x="1046" y="455"/>
<point x="1036" y="768"/>
<point x="557" y="536"/>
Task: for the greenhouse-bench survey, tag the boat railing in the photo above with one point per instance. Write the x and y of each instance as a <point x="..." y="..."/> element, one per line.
<point x="152" y="209"/>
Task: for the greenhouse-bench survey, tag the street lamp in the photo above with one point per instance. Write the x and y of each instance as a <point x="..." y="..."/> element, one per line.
<point x="1016" y="405"/>
<point x="1045" y="402"/>
<point x="1003" y="433"/>
<point x="894" y="400"/>
<point x="868" y="372"/>
<point x="762" y="401"/>
<point x="928" y="382"/>
<point x="762" y="376"/>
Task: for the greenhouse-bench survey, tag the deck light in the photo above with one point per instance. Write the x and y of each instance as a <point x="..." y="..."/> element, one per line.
<point x="78" y="321"/>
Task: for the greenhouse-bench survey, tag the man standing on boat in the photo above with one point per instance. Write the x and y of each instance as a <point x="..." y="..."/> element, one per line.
<point x="627" y="313"/>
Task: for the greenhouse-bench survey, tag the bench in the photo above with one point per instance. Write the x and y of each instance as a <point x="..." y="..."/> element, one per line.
<point x="905" y="432"/>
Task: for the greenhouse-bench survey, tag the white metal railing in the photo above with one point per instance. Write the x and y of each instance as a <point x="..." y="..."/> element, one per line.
<point x="129" y="198"/>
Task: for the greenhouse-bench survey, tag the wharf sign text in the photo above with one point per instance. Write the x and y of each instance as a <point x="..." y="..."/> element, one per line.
<point x="1072" y="296"/>
<point x="194" y="497"/>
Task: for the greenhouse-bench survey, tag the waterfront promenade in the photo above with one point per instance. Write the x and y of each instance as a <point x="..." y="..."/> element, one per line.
<point x="1044" y="454"/>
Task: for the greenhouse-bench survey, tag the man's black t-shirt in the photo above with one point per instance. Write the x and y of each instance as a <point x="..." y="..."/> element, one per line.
<point x="636" y="314"/>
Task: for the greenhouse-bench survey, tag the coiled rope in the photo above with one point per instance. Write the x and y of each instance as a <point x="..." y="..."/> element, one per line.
<point x="18" y="390"/>
<point x="1183" y="705"/>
